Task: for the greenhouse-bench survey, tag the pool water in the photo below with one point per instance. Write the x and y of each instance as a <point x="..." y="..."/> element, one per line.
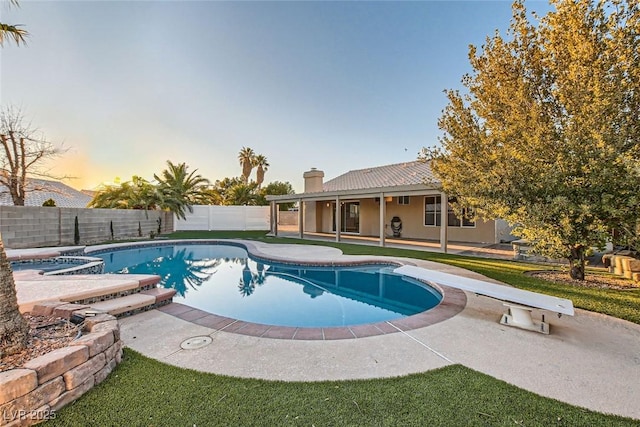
<point x="224" y="280"/>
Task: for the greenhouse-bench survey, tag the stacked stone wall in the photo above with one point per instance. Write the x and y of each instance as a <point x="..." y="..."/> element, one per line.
<point x="36" y="391"/>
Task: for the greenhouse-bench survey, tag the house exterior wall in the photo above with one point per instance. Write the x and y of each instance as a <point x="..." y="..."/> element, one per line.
<point x="310" y="215"/>
<point x="412" y="216"/>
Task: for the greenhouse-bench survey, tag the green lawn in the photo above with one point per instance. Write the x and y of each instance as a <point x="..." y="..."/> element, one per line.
<point x="144" y="392"/>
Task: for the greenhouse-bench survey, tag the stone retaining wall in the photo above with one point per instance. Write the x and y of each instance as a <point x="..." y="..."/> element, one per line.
<point x="35" y="392"/>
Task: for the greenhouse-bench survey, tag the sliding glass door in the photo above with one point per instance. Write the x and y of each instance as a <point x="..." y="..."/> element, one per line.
<point x="349" y="217"/>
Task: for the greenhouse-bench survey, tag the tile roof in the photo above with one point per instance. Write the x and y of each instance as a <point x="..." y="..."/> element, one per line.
<point x="408" y="173"/>
<point x="64" y="196"/>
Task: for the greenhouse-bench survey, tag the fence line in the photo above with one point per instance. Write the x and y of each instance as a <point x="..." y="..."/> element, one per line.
<point x="36" y="226"/>
<point x="213" y="217"/>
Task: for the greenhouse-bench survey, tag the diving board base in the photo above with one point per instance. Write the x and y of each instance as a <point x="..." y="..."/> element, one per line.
<point x="520" y="317"/>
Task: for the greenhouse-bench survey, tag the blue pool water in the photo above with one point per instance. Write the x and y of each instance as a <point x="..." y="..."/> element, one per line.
<point x="224" y="280"/>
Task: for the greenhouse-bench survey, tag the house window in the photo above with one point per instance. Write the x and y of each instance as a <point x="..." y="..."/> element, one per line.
<point x="432" y="211"/>
<point x="467" y="214"/>
<point x="454" y="218"/>
<point x="403" y="200"/>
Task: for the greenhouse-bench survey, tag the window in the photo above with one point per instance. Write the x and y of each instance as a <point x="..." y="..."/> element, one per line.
<point x="403" y="200"/>
<point x="467" y="218"/>
<point x="432" y="215"/>
<point x="432" y="211"/>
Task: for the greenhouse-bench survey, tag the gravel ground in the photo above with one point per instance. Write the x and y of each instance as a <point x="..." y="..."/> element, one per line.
<point x="45" y="334"/>
<point x="590" y="280"/>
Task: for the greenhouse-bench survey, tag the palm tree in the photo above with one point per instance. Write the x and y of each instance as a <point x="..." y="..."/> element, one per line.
<point x="246" y="158"/>
<point x="246" y="285"/>
<point x="260" y="162"/>
<point x="12" y="31"/>
<point x="137" y="194"/>
<point x="242" y="195"/>
<point x="14" y="330"/>
<point x="223" y="188"/>
<point x="181" y="190"/>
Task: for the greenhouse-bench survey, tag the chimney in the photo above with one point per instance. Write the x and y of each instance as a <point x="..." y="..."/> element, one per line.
<point x="313" y="181"/>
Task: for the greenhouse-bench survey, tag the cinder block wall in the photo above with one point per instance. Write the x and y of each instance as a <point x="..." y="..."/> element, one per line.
<point x="288" y="217"/>
<point x="29" y="226"/>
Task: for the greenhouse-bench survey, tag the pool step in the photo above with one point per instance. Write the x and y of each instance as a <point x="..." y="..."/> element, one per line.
<point x="135" y="303"/>
<point x="137" y="284"/>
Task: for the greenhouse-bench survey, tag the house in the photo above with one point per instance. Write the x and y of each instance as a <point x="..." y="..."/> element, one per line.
<point x="40" y="190"/>
<point x="374" y="199"/>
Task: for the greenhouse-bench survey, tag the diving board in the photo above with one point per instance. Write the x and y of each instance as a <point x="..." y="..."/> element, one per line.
<point x="519" y="302"/>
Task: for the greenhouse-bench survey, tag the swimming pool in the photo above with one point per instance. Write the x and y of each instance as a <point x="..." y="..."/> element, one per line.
<point x="225" y="280"/>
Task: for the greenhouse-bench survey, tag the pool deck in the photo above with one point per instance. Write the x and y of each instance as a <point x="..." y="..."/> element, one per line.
<point x="589" y="360"/>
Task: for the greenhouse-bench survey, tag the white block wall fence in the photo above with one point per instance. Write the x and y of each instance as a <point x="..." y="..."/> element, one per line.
<point x="225" y="218"/>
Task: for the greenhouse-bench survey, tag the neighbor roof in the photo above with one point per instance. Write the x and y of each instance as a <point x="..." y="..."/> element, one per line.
<point x="62" y="194"/>
<point x="408" y="173"/>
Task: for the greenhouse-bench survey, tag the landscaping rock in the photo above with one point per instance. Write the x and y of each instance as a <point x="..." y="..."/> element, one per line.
<point x="17" y="382"/>
<point x="81" y="373"/>
<point x="97" y="342"/>
<point x="34" y="399"/>
<point x="72" y="395"/>
<point x="58" y="361"/>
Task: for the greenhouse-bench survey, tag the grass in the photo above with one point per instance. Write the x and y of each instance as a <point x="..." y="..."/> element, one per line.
<point x="144" y="392"/>
<point x="623" y="304"/>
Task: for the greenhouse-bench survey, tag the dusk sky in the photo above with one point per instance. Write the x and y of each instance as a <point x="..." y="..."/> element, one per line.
<point x="127" y="85"/>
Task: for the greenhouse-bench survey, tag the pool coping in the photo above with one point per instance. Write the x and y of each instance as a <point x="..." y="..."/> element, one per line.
<point x="453" y="300"/>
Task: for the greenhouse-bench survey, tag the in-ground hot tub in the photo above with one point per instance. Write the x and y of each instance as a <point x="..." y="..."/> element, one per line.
<point x="60" y="265"/>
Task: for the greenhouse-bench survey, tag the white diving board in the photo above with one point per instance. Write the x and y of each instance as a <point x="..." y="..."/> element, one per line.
<point x="517" y="315"/>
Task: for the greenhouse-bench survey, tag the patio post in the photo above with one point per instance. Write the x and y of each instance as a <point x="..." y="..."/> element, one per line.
<point x="338" y="219"/>
<point x="274" y="218"/>
<point x="301" y="218"/>
<point x="444" y="221"/>
<point x="383" y="208"/>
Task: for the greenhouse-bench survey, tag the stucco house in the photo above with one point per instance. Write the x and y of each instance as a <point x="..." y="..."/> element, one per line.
<point x="366" y="201"/>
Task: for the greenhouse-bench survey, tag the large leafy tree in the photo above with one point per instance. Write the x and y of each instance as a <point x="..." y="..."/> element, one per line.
<point x="180" y="189"/>
<point x="547" y="136"/>
<point x="278" y="188"/>
<point x="246" y="157"/>
<point x="14" y="330"/>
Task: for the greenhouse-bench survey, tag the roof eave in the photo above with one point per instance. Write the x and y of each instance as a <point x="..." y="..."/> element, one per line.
<point x="396" y="190"/>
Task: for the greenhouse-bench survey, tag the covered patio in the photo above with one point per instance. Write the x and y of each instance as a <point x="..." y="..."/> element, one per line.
<point x="401" y="201"/>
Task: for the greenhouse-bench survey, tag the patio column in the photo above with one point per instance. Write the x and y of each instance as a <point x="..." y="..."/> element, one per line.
<point x="444" y="221"/>
<point x="274" y="218"/>
<point x="300" y="218"/>
<point x="338" y="219"/>
<point x="383" y="213"/>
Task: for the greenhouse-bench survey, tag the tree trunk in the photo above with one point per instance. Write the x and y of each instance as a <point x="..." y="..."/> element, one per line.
<point x="260" y="176"/>
<point x="576" y="263"/>
<point x="246" y="171"/>
<point x="14" y="330"/>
